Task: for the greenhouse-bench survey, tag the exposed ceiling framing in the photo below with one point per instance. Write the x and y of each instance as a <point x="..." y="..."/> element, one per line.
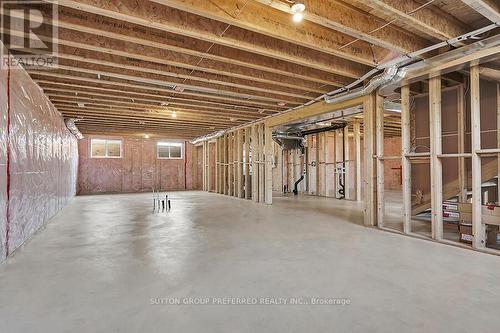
<point x="127" y="66"/>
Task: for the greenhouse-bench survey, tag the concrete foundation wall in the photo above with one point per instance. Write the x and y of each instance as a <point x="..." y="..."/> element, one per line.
<point x="138" y="170"/>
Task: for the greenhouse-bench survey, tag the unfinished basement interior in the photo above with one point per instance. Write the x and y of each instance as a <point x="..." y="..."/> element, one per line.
<point x="249" y="165"/>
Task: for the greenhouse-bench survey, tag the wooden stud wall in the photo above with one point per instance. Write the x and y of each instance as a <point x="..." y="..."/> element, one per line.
<point x="436" y="151"/>
<point x="405" y="161"/>
<point x="478" y="229"/>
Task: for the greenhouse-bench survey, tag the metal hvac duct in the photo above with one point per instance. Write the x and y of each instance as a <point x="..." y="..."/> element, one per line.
<point x="392" y="74"/>
<point x="70" y="124"/>
<point x="207" y="137"/>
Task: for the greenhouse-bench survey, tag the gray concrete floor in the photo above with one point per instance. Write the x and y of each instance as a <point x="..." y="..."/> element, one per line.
<point x="98" y="264"/>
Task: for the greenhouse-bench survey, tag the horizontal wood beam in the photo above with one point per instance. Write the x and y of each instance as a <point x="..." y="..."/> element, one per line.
<point x="488" y="8"/>
<point x="78" y="87"/>
<point x="196" y="79"/>
<point x="341" y="17"/>
<point x="92" y="70"/>
<point x="91" y="131"/>
<point x="164" y="102"/>
<point x="134" y="117"/>
<point x="220" y="58"/>
<point x="429" y="21"/>
<point x="256" y="17"/>
<point x="312" y="110"/>
<point x="187" y="114"/>
<point x="193" y="26"/>
<point x="46" y="78"/>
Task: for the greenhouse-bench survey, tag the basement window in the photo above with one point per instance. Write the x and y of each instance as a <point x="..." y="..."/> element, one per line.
<point x="169" y="150"/>
<point x="102" y="148"/>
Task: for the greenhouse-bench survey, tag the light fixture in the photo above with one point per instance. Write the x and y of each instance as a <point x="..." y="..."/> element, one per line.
<point x="81" y="104"/>
<point x="298" y="17"/>
<point x="297" y="10"/>
<point x="298" y="7"/>
<point x="146" y="136"/>
<point x="174" y="114"/>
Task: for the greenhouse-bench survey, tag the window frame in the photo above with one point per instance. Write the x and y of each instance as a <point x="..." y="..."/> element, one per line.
<point x="106" y="147"/>
<point x="167" y="143"/>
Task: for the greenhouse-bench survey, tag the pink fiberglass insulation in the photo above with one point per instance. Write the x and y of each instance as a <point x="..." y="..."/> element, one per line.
<point x="41" y="156"/>
<point x="137" y="170"/>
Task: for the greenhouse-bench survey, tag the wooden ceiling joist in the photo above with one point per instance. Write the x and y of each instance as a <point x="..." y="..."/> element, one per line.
<point x="488" y="8"/>
<point x="125" y="66"/>
<point x="256" y="17"/>
<point x="124" y="85"/>
<point x="91" y="71"/>
<point x="172" y="20"/>
<point x="412" y="15"/>
<point x="182" y="79"/>
<point x="347" y="19"/>
<point x="220" y="58"/>
<point x="71" y="41"/>
<point x="75" y="94"/>
<point x="185" y="114"/>
<point x="77" y="89"/>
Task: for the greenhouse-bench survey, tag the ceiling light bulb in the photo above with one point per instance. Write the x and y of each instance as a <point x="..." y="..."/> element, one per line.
<point x="174" y="114"/>
<point x="146" y="136"/>
<point x="298" y="17"/>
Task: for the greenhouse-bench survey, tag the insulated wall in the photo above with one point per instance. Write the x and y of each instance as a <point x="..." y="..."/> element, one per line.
<point x="3" y="160"/>
<point x="137" y="170"/>
<point x="38" y="158"/>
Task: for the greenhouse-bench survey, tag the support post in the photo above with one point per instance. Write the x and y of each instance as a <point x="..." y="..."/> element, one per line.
<point x="462" y="171"/>
<point x="248" y="193"/>
<point x="498" y="142"/>
<point x="239" y="165"/>
<point x="194" y="167"/>
<point x="209" y="178"/>
<point x="224" y="157"/>
<point x="268" y="187"/>
<point x="436" y="164"/>
<point x="230" y="169"/>
<point x="357" y="145"/>
<point x="204" y="163"/>
<point x="235" y="164"/>
<point x="405" y="161"/>
<point x="348" y="168"/>
<point x="262" y="180"/>
<point x="379" y="137"/>
<point x="255" y="166"/>
<point x="369" y="202"/>
<point x="478" y="230"/>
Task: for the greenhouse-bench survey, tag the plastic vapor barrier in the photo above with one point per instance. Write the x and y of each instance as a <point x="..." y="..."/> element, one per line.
<point x="3" y="160"/>
<point x="39" y="160"/>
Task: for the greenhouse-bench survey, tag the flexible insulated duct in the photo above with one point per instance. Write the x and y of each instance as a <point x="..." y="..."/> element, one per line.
<point x="70" y="124"/>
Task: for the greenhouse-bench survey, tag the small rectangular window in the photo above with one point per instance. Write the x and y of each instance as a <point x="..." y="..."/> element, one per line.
<point x="102" y="148"/>
<point x="169" y="150"/>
